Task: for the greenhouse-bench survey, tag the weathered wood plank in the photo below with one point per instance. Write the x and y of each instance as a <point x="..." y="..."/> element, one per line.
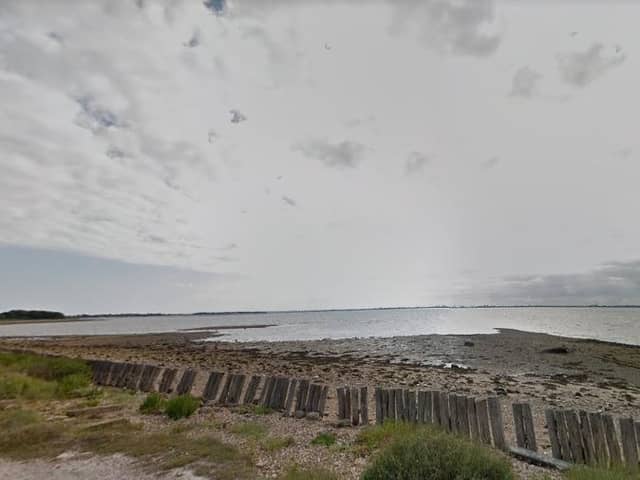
<point x="453" y="413"/>
<point x="463" y="416"/>
<point x="435" y="398"/>
<point x="497" y="425"/>
<point x="323" y="400"/>
<point x="400" y="411"/>
<point x="444" y="411"/>
<point x="186" y="382"/>
<point x="553" y="433"/>
<point x="428" y="407"/>
<point x="377" y="395"/>
<point x="615" y="456"/>
<point x="575" y="436"/>
<point x="518" y="425"/>
<point x="587" y="437"/>
<point x="599" y="440"/>
<point x="529" y="429"/>
<point x="224" y="393"/>
<point x="563" y="435"/>
<point x="342" y="403"/>
<point x="149" y="377"/>
<point x="364" y="406"/>
<point x="355" y="406"/>
<point x="411" y="406"/>
<point x="473" y="419"/>
<point x="134" y="377"/>
<point x="252" y="388"/>
<point x="166" y="383"/>
<point x="420" y="406"/>
<point x="629" y="442"/>
<point x="537" y="459"/>
<point x="482" y="411"/>
<point x="291" y="396"/>
<point x="392" y="405"/>
<point x="301" y="399"/>
<point x="237" y="391"/>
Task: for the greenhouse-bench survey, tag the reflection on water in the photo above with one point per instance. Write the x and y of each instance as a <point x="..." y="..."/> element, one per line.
<point x="611" y="324"/>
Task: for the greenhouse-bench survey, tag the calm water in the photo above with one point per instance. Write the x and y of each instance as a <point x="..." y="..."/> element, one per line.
<point x="612" y="324"/>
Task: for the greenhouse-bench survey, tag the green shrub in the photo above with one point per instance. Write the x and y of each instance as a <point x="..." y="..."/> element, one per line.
<point x="297" y="473"/>
<point x="74" y="385"/>
<point x="325" y="438"/>
<point x="18" y="386"/>
<point x="181" y="406"/>
<point x="430" y="454"/>
<point x="153" y="403"/>
<point x="588" y="473"/>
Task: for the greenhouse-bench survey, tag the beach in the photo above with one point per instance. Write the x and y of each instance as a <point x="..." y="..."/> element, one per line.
<point x="543" y="370"/>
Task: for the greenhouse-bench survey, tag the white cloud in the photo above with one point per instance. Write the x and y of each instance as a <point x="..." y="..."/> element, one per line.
<point x="525" y="82"/>
<point x="582" y="68"/>
<point x="345" y="154"/>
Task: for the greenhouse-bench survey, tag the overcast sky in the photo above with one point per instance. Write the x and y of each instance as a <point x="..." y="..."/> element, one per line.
<point x="184" y="155"/>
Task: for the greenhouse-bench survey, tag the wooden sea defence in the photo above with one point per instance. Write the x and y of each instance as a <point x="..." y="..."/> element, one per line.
<point x="575" y="437"/>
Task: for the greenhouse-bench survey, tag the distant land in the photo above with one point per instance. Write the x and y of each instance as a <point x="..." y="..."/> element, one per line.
<point x="44" y="315"/>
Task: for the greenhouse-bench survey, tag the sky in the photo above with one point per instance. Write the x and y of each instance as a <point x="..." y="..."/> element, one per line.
<point x="182" y="156"/>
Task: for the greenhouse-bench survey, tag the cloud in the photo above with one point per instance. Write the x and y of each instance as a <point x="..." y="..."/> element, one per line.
<point x="216" y="6"/>
<point x="237" y="116"/>
<point x="581" y="68"/>
<point x="289" y="201"/>
<point x="346" y="154"/>
<point x="615" y="283"/>
<point x="95" y="117"/>
<point x="524" y="82"/>
<point x="416" y="161"/>
<point x="460" y="27"/>
<point x="194" y="41"/>
<point x="489" y="163"/>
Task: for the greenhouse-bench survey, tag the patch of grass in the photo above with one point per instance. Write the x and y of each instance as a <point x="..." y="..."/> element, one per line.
<point x="297" y="473"/>
<point x="182" y="406"/>
<point x="372" y="438"/>
<point x="325" y="438"/>
<point x="423" y="452"/>
<point x="273" y="444"/>
<point x="153" y="403"/>
<point x="252" y="430"/>
<point x="25" y="435"/>
<point x="254" y="409"/>
<point x="19" y="386"/>
<point x="588" y="473"/>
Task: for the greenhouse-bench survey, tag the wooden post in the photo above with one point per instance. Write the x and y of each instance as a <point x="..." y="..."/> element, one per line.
<point x="149" y="377"/>
<point x="252" y="388"/>
<point x="291" y="395"/>
<point x="518" y="425"/>
<point x="437" y="409"/>
<point x="355" y="406"/>
<point x="364" y="406"/>
<point x="392" y="405"/>
<point x="444" y="411"/>
<point x="575" y="436"/>
<point x="473" y="419"/>
<point x="301" y="399"/>
<point x="463" y="417"/>
<point x="497" y="426"/>
<point x="166" y="382"/>
<point x="453" y="413"/>
<point x="411" y="407"/>
<point x="553" y="433"/>
<point x="378" y="398"/>
<point x="342" y="403"/>
<point x="399" y="401"/>
<point x="225" y="390"/>
<point x="629" y="443"/>
<point x="599" y="441"/>
<point x="563" y="436"/>
<point x="323" y="400"/>
<point x="612" y="440"/>
<point x="482" y="411"/>
<point x="587" y="437"/>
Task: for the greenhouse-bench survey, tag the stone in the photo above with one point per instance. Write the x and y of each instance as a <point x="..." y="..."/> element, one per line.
<point x="299" y="414"/>
<point x="313" y="416"/>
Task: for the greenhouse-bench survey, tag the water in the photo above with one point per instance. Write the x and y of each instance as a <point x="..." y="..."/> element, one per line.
<point x="611" y="324"/>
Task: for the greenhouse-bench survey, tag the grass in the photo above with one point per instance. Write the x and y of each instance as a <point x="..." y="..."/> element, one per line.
<point x="297" y="473"/>
<point x="325" y="438"/>
<point x="182" y="406"/>
<point x="251" y="430"/>
<point x="409" y="452"/>
<point x="153" y="403"/>
<point x="34" y="377"/>
<point x="26" y="435"/>
<point x="589" y="473"/>
<point x="273" y="444"/>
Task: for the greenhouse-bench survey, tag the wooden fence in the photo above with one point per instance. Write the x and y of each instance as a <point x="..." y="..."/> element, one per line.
<point x="575" y="437"/>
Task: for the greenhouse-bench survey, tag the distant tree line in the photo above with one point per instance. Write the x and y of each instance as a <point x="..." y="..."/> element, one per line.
<point x="31" y="315"/>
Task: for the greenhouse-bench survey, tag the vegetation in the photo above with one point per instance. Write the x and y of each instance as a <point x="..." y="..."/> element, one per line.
<point x="273" y="444"/>
<point x="325" y="438"/>
<point x="588" y="473"/>
<point x="253" y="430"/>
<point x="182" y="406"/>
<point x="411" y="452"/>
<point x="35" y="377"/>
<point x="153" y="403"/>
<point x="30" y="315"/>
<point x="296" y="473"/>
